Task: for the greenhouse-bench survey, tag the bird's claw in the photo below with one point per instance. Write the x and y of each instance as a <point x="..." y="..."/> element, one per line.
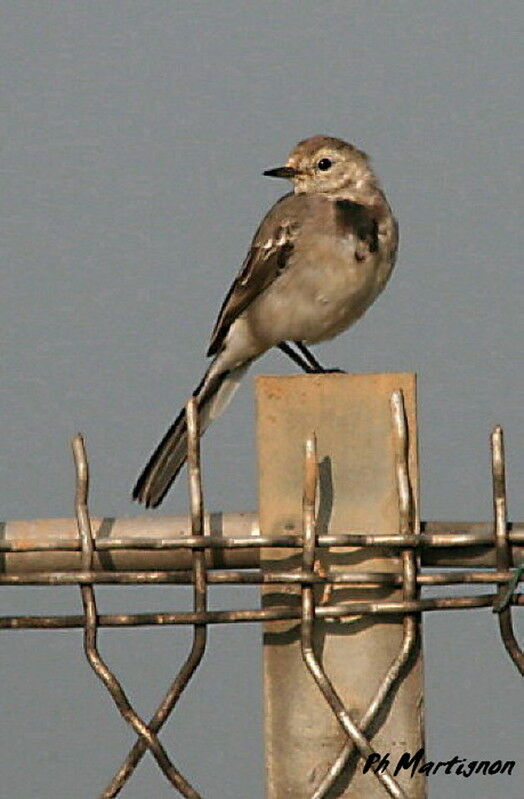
<point x="328" y="371"/>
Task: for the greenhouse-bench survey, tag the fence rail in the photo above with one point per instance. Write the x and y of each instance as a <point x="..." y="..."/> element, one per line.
<point x="222" y="549"/>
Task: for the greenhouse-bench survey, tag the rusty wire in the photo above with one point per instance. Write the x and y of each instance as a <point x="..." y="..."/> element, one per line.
<point x="346" y="610"/>
<point x="458" y="538"/>
<point x="199" y="581"/>
<point x="409" y="582"/>
<point x="412" y="545"/>
<point x="102" y="671"/>
<point x="185" y="577"/>
<point x="502" y="550"/>
<point x="311" y="660"/>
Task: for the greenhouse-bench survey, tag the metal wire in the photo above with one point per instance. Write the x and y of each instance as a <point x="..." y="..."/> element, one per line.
<point x="347" y="610"/>
<point x="408" y="580"/>
<point x="102" y="671"/>
<point x="199" y="580"/>
<point x="360" y="579"/>
<point x="502" y="550"/>
<point x="313" y="663"/>
<point x="460" y="539"/>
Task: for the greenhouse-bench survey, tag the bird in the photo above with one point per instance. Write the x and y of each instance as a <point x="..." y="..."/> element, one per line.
<point x="320" y="257"/>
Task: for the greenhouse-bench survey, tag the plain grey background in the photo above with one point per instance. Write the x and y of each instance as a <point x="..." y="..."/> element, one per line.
<point x="135" y="134"/>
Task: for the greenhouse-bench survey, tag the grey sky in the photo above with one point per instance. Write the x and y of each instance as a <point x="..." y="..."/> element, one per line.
<point x="135" y="134"/>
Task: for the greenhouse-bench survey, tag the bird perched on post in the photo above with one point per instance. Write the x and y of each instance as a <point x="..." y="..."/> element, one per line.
<point x="320" y="257"/>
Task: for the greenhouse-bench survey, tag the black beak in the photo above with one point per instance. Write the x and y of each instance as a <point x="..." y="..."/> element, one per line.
<point x="281" y="172"/>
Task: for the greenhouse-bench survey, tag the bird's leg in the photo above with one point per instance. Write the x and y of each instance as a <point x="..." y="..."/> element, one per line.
<point x="298" y="359"/>
<point x="309" y="357"/>
<point x="315" y="366"/>
<point x="304" y="358"/>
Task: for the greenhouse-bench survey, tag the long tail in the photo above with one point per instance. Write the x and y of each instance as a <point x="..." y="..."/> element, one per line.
<point x="213" y="395"/>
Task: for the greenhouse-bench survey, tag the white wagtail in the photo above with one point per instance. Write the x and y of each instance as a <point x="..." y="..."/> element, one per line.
<point x="320" y="257"/>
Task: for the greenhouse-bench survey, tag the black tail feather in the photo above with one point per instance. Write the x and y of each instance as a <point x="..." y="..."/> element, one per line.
<point x="171" y="453"/>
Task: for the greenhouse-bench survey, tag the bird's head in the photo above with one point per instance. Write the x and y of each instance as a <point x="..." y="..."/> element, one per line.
<point x="323" y="164"/>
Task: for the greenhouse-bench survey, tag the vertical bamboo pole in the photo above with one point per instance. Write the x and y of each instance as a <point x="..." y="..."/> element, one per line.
<point x="351" y="418"/>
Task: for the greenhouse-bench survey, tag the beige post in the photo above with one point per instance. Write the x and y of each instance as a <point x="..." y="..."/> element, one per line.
<point x="351" y="418"/>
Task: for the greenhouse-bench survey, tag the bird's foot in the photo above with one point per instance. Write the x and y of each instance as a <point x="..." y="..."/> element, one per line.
<point x="327" y="371"/>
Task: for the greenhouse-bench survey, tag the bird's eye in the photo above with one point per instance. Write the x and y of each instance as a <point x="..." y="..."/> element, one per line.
<point x="324" y="164"/>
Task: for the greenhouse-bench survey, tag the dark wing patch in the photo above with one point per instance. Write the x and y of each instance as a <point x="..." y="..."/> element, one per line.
<point x="265" y="261"/>
<point x="355" y="218"/>
<point x="283" y="255"/>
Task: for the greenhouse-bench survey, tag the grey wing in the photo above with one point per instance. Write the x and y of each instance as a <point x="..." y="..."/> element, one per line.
<point x="267" y="258"/>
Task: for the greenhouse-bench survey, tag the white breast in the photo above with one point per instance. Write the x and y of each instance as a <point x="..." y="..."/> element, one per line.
<point x="321" y="293"/>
